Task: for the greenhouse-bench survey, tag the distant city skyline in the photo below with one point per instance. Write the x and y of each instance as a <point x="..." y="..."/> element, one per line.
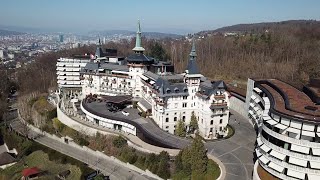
<point x="177" y="16"/>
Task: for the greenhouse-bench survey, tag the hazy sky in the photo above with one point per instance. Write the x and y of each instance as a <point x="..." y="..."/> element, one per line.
<point x="156" y="15"/>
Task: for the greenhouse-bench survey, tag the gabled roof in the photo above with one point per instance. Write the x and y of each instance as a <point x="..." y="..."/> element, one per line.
<point x="208" y="88"/>
<point x="165" y="88"/>
<point x="30" y="171"/>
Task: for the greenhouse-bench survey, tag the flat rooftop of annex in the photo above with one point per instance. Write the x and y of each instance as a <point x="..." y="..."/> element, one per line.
<point x="146" y="126"/>
<point x="290" y="101"/>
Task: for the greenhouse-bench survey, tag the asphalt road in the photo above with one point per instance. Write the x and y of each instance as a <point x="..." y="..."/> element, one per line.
<point x="236" y="153"/>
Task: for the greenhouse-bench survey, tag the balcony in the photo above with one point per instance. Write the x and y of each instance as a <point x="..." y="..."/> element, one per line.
<point x="220" y="96"/>
<point x="219" y="105"/>
<point x="288" y="165"/>
<point x="289" y="139"/>
<point x="82" y="78"/>
<point x="276" y="173"/>
<point x="288" y="152"/>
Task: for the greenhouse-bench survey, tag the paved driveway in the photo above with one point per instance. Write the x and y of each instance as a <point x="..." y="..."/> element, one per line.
<point x="236" y="153"/>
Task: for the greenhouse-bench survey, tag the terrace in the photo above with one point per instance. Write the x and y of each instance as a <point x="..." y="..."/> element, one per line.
<point x="290" y="101"/>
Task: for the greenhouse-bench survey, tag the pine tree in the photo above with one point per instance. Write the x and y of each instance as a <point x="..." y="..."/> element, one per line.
<point x="180" y="129"/>
<point x="163" y="166"/>
<point x="193" y="122"/>
<point x="199" y="157"/>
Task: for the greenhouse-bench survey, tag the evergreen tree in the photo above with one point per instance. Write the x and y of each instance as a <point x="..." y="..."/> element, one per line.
<point x="178" y="162"/>
<point x="199" y="157"/>
<point x="163" y="165"/>
<point x="158" y="52"/>
<point x="180" y="129"/>
<point x="193" y="122"/>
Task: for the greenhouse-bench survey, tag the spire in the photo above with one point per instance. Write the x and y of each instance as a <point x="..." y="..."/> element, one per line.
<point x="192" y="67"/>
<point x="138" y="48"/>
<point x="193" y="53"/>
<point x="99" y="52"/>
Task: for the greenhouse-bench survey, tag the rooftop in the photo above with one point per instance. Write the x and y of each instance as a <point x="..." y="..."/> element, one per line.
<point x="149" y="129"/>
<point x="291" y="101"/>
<point x="30" y="171"/>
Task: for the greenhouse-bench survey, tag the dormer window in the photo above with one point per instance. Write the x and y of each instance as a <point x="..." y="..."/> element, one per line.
<point x="185" y="89"/>
<point x="176" y="90"/>
<point x="168" y="90"/>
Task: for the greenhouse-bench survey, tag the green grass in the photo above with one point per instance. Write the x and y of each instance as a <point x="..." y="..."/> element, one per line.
<point x="213" y="172"/>
<point x="230" y="131"/>
<point x="41" y="160"/>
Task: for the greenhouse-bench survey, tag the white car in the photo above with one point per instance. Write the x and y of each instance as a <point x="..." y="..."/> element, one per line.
<point x="125" y="113"/>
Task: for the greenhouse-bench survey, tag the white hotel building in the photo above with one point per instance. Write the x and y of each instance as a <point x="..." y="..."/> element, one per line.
<point x="288" y="122"/>
<point x="165" y="96"/>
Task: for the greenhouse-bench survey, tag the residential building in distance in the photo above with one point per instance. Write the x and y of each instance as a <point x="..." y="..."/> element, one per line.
<point x="163" y="95"/>
<point x="287" y="120"/>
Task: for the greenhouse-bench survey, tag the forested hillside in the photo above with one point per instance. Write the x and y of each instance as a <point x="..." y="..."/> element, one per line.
<point x="290" y="54"/>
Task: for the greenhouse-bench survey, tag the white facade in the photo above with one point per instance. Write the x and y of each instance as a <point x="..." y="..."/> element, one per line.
<point x="164" y="96"/>
<point x="287" y="148"/>
<point x="68" y="72"/>
<point x="212" y="113"/>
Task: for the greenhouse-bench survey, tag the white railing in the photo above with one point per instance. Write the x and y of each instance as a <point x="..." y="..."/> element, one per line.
<point x="276" y="173"/>
<point x="259" y="97"/>
<point x="288" y="165"/>
<point x="289" y="139"/>
<point x="288" y="152"/>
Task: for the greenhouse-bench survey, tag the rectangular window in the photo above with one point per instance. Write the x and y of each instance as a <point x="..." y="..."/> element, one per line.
<point x="175" y="119"/>
<point x="220" y="121"/>
<point x="184" y="105"/>
<point x="167" y="127"/>
<point x="185" y="97"/>
<point x="220" y="128"/>
<point x="167" y="119"/>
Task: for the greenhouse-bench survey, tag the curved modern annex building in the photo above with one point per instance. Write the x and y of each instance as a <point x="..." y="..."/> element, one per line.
<point x="288" y="124"/>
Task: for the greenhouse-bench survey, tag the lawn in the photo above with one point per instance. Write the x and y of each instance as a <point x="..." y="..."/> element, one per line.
<point x="213" y="170"/>
<point x="41" y="160"/>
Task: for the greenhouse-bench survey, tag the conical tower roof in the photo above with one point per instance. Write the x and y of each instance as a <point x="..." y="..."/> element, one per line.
<point x="138" y="48"/>
<point x="99" y="52"/>
<point x="192" y="64"/>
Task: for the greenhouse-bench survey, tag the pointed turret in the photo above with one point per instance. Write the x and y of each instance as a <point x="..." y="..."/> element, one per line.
<point x="138" y="48"/>
<point x="192" y="67"/>
<point x="99" y="52"/>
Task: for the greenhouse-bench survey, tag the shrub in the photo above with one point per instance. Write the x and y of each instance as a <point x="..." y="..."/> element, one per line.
<point x="119" y="142"/>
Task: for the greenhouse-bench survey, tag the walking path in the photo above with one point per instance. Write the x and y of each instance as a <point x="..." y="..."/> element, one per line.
<point x="107" y="166"/>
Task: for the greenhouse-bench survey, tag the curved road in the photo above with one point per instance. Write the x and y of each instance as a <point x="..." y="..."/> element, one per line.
<point x="236" y="153"/>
